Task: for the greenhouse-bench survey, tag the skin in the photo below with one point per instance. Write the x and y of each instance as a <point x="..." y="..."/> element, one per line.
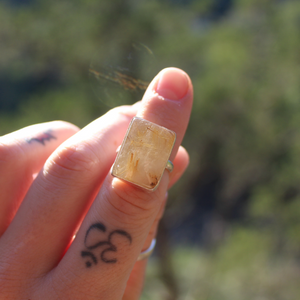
<point x="55" y="183"/>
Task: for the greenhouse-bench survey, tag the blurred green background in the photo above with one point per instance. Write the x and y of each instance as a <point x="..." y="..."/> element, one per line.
<point x="232" y="226"/>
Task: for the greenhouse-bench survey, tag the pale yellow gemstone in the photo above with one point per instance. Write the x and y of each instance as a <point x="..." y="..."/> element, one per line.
<point x="144" y="153"/>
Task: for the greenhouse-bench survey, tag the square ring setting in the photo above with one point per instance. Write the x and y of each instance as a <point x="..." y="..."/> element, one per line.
<point x="144" y="154"/>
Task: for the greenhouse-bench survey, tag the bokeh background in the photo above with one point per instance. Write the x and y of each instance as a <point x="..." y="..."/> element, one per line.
<point x="232" y="226"/>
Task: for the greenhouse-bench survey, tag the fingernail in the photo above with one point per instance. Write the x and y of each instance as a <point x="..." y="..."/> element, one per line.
<point x="173" y="84"/>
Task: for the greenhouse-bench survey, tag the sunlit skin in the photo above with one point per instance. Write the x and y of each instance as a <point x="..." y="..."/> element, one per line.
<point x="74" y="194"/>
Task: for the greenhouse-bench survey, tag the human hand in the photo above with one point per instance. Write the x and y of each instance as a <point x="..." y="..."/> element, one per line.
<point x="74" y="194"/>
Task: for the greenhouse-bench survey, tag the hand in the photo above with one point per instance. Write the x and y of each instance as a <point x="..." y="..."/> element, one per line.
<point x="73" y="193"/>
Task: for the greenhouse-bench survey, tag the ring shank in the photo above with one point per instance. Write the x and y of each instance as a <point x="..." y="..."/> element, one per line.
<point x="145" y="254"/>
<point x="169" y="166"/>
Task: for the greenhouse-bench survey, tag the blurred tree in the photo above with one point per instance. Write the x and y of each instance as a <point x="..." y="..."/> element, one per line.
<point x="242" y="188"/>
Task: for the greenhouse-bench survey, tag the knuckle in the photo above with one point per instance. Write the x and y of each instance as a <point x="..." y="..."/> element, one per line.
<point x="72" y="160"/>
<point x="132" y="202"/>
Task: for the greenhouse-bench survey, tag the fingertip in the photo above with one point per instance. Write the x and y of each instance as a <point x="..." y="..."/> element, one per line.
<point x="168" y="102"/>
<point x="173" y="84"/>
<point x="183" y="155"/>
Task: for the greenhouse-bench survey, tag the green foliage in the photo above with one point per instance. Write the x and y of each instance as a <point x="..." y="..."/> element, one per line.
<point x="241" y="269"/>
<point x="245" y="124"/>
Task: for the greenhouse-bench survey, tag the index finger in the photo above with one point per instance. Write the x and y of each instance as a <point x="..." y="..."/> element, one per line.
<point x="168" y="103"/>
<point x="124" y="208"/>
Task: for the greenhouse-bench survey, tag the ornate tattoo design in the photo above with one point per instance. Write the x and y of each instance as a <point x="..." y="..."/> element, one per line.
<point x="41" y="138"/>
<point x="106" y="244"/>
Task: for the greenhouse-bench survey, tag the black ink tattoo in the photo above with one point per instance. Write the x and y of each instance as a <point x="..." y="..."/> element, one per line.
<point x="91" y="255"/>
<point x="46" y="136"/>
<point x="110" y="246"/>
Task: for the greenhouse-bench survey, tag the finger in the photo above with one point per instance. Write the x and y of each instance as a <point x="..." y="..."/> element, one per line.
<point x="136" y="280"/>
<point x="180" y="163"/>
<point x="174" y="118"/>
<point x="62" y="193"/>
<point x="23" y="153"/>
<point x="124" y="209"/>
<point x="173" y="114"/>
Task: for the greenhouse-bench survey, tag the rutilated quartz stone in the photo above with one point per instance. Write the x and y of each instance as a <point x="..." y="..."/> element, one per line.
<point x="144" y="153"/>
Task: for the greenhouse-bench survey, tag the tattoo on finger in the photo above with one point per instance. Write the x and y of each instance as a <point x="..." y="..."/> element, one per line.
<point x="104" y="242"/>
<point x="42" y="138"/>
